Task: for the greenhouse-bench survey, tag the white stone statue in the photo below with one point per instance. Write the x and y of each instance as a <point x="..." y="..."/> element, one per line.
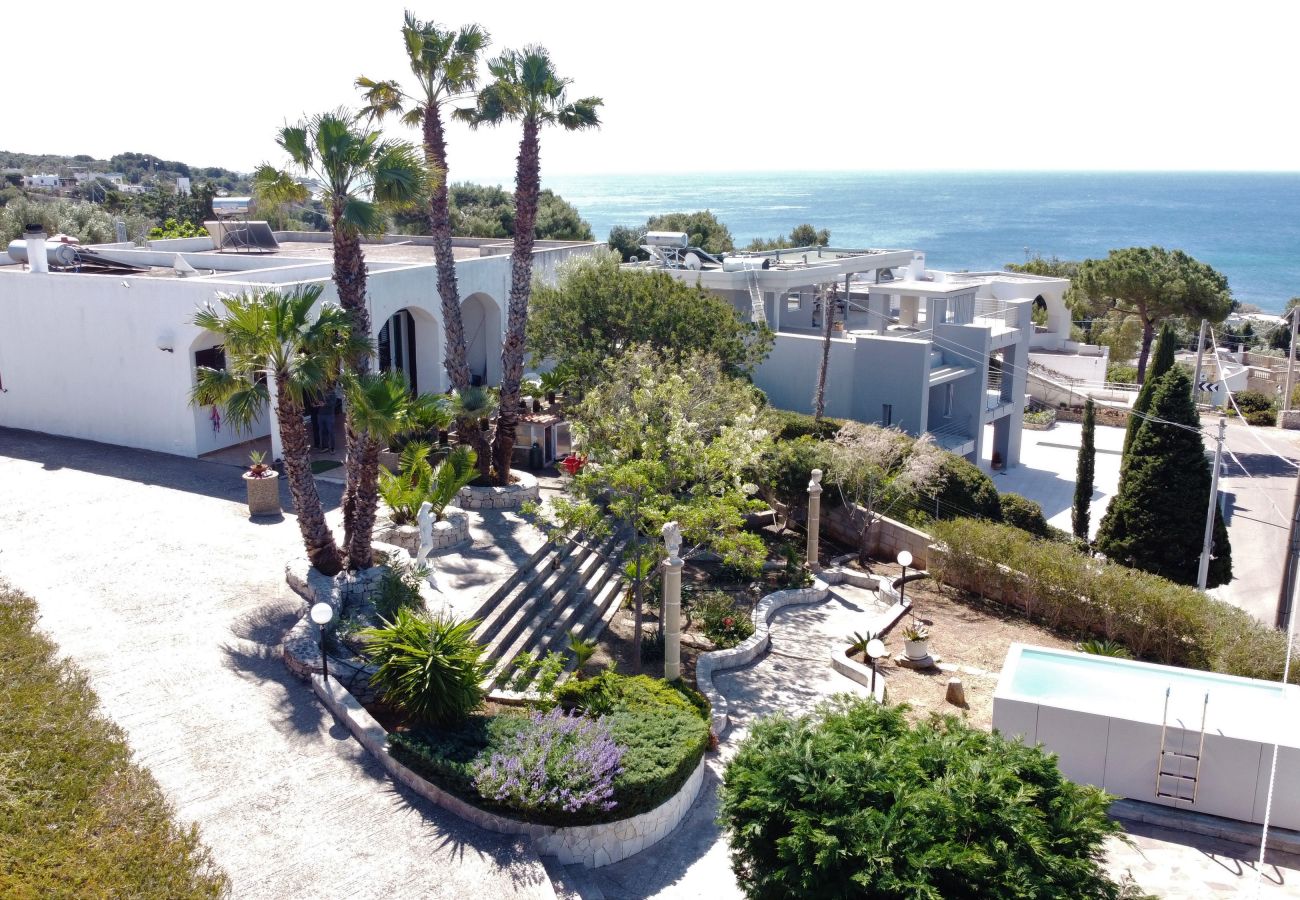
<point x="672" y="539"/>
<point x="815" y="485"/>
<point x="425" y="519"/>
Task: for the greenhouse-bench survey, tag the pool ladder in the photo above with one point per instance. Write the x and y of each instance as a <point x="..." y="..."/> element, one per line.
<point x="1176" y="759"/>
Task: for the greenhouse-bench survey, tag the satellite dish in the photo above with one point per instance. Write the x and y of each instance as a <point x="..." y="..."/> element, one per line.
<point x="692" y="261"/>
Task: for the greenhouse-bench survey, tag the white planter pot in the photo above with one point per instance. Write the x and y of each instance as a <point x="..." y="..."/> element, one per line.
<point x="916" y="649"/>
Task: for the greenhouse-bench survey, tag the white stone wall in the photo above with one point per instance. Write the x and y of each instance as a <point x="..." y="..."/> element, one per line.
<point x="591" y="845"/>
<point x="448" y="532"/>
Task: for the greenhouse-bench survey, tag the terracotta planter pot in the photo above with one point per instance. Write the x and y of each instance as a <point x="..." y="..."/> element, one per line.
<point x="263" y="494"/>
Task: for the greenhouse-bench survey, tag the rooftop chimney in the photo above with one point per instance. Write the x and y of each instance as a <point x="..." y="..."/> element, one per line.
<point x="37" y="261"/>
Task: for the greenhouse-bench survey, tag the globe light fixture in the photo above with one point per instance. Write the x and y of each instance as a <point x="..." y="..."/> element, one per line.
<point x="875" y="650"/>
<point x="904" y="560"/>
<point x="322" y="614"/>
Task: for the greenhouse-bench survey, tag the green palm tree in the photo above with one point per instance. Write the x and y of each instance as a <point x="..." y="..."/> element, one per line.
<point x="381" y="408"/>
<point x="445" y="65"/>
<point x="525" y="89"/>
<point x="362" y="176"/>
<point x="270" y="332"/>
<point x="473" y="407"/>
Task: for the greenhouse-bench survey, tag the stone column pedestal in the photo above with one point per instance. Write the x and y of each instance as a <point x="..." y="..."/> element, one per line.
<point x="672" y="603"/>
<point x="814" y="517"/>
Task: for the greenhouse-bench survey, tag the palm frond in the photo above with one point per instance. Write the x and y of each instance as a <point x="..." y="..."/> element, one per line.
<point x="276" y="187"/>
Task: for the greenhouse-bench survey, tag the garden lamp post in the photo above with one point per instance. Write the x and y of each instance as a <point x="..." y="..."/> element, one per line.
<point x="875" y="650"/>
<point x="904" y="560"/>
<point x="322" y="614"/>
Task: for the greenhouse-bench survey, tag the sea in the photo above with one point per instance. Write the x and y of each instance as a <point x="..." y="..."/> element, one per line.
<point x="1246" y="225"/>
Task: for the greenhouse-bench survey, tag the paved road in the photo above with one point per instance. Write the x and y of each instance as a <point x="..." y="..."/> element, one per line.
<point x="150" y="575"/>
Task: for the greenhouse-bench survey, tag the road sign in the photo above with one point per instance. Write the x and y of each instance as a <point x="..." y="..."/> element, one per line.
<point x="1209" y="387"/>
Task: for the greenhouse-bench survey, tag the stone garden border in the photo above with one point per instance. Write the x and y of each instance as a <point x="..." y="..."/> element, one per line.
<point x="591" y="845"/>
<point x="522" y="490"/>
<point x="449" y="531"/>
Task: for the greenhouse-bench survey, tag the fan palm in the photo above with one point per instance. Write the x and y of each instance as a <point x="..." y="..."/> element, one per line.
<point x="418" y="481"/>
<point x="445" y="65"/>
<point x="271" y="332"/>
<point x="473" y="407"/>
<point x="526" y="89"/>
<point x="362" y="175"/>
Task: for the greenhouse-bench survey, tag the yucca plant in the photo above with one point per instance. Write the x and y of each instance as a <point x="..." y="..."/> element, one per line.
<point x="431" y="669"/>
<point x="1103" y="647"/>
<point x="858" y="642"/>
<point x="583" y="651"/>
<point x="417" y="481"/>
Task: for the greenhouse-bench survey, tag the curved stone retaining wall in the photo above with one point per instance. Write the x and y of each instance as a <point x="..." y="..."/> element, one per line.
<point x="511" y="496"/>
<point x="753" y="646"/>
<point x="452" y="529"/>
<point x="591" y="845"/>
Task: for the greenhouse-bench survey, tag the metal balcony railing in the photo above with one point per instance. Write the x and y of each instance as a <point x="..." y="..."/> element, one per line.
<point x="953" y="432"/>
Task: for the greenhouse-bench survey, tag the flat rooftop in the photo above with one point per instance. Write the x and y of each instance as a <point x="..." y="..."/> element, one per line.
<point x="324" y="250"/>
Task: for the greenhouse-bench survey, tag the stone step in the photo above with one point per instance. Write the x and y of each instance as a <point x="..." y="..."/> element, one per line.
<point x="519" y="574"/>
<point x="533" y="599"/>
<point x="584" y="594"/>
<point x="508" y="602"/>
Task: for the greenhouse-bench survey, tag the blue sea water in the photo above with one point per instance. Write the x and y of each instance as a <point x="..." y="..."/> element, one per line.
<point x="1245" y="225"/>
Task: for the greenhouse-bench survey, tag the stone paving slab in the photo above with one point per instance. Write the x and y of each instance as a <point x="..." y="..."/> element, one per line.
<point x="150" y="575"/>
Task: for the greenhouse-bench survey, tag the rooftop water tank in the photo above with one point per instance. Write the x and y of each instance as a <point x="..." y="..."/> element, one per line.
<point x="745" y="263"/>
<point x="677" y="239"/>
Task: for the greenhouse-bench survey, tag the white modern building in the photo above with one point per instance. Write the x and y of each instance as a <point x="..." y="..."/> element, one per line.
<point x="99" y="342"/>
<point x="925" y="351"/>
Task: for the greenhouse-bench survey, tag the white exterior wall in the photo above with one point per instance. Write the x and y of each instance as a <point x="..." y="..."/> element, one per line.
<point x="79" y="354"/>
<point x="1088" y="368"/>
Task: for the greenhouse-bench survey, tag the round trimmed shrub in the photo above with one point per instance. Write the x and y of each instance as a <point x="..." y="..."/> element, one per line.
<point x="853" y="801"/>
<point x="966" y="491"/>
<point x="1024" y="513"/>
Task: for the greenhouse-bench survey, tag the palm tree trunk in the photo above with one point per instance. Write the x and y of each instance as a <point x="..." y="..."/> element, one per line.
<point x="321" y="549"/>
<point x="435" y="154"/>
<point x="365" y="498"/>
<point x="527" y="188"/>
<point x="350" y="279"/>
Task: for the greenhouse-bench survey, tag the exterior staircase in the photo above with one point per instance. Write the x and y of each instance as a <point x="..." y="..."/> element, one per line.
<point x="576" y="586"/>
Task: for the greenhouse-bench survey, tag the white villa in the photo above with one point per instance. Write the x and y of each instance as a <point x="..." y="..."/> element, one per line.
<point x="99" y="343"/>
<point x="922" y="350"/>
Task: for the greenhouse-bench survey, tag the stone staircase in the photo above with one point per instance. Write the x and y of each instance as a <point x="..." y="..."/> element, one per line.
<point x="576" y="586"/>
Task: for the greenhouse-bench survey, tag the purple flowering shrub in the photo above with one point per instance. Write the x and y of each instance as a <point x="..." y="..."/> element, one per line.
<point x="560" y="762"/>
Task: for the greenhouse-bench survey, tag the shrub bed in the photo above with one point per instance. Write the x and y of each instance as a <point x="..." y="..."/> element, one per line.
<point x="855" y="802"/>
<point x="77" y="817"/>
<point x="1066" y="590"/>
<point x="661" y="729"/>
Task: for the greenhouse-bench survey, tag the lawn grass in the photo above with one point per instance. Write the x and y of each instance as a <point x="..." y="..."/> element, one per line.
<point x="77" y="817"/>
<point x="324" y="465"/>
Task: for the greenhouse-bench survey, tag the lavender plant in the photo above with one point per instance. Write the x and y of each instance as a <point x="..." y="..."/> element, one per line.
<point x="561" y="762"/>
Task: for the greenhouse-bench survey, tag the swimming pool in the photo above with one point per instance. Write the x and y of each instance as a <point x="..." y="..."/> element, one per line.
<point x="1104" y="718"/>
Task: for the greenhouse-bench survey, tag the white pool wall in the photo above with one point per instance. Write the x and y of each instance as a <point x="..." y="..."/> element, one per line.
<point x="1115" y="745"/>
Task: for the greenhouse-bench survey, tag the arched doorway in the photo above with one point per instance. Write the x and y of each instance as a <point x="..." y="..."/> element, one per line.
<point x="407" y="342"/>
<point x="481" y="317"/>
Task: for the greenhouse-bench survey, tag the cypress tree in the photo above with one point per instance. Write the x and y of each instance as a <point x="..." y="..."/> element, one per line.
<point x="1157" y="519"/>
<point x="1160" y="364"/>
<point x="1083" y="474"/>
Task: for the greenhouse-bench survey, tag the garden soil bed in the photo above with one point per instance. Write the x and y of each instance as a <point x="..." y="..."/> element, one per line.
<point x="965" y="632"/>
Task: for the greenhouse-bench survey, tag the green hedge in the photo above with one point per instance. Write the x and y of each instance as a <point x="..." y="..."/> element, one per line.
<point x="786" y="425"/>
<point x="1156" y="619"/>
<point x="662" y="727"/>
<point x="855" y="802"/>
<point x="77" y="817"/>
<point x="1023" y="513"/>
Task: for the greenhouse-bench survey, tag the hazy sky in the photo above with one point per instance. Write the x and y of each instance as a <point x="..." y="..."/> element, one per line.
<point x="1062" y="84"/>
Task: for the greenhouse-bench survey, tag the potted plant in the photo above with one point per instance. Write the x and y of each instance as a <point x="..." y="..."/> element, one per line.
<point x="263" y="485"/>
<point x="916" y="640"/>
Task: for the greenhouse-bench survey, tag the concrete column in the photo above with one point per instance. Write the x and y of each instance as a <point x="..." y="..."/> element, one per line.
<point x="814" y="517"/>
<point x="672" y="602"/>
<point x="909" y="311"/>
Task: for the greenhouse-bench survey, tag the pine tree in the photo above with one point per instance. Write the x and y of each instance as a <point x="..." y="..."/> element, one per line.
<point x="1083" y="474"/>
<point x="1160" y="364"/>
<point x="1156" y="520"/>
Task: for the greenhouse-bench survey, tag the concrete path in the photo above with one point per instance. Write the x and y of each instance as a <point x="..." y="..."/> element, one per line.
<point x="150" y="575"/>
<point x="794" y="676"/>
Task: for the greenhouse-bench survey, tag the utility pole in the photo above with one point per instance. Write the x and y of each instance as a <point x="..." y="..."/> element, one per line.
<point x="1290" y="360"/>
<point x="1196" y="381"/>
<point x="1208" y="544"/>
